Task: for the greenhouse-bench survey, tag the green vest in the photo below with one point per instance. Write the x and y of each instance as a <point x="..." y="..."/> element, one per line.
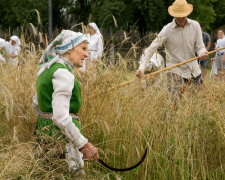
<point x="44" y="94"/>
<point x="45" y="90"/>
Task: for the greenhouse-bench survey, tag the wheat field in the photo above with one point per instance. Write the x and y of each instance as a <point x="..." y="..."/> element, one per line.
<point x="185" y="138"/>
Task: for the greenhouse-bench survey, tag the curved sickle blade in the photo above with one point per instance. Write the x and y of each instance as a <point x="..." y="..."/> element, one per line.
<point x="124" y="169"/>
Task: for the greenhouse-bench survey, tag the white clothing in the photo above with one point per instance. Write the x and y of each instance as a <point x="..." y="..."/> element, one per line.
<point x="214" y="69"/>
<point x="180" y="44"/>
<point x="156" y="61"/>
<point x="218" y="64"/>
<point x="2" y="43"/>
<point x="95" y="46"/>
<point x="16" y="39"/>
<point x="95" y="27"/>
<point x="64" y="42"/>
<point x="74" y="159"/>
<point x="220" y="43"/>
<point x="12" y="50"/>
<point x="95" y="42"/>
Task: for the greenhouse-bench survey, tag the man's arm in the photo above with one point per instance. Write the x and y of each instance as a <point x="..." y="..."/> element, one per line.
<point x="148" y="52"/>
<point x="199" y="45"/>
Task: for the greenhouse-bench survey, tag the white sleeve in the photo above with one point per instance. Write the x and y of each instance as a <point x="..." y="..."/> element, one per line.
<point x="199" y="45"/>
<point x="2" y="43"/>
<point x="148" y="52"/>
<point x="223" y="45"/>
<point x="63" y="83"/>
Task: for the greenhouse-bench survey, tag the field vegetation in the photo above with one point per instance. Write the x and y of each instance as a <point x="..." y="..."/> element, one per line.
<point x="185" y="138"/>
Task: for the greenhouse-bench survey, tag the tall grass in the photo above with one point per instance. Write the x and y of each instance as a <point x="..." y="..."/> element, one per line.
<point x="186" y="139"/>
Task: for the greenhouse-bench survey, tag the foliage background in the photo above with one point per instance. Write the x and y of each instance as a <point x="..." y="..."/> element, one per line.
<point x="144" y="15"/>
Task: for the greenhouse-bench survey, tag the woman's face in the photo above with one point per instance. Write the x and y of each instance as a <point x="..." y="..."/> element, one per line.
<point x="13" y="42"/>
<point x="90" y="30"/>
<point x="78" y="54"/>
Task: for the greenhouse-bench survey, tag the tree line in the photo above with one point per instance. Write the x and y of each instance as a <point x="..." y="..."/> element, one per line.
<point x="142" y="15"/>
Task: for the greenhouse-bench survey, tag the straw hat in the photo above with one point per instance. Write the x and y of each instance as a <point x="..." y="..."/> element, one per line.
<point x="180" y="8"/>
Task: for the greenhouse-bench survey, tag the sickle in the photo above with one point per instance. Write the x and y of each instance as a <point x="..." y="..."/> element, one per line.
<point x="124" y="169"/>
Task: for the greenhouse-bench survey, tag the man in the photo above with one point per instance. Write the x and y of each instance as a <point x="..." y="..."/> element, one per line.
<point x="220" y="55"/>
<point x="182" y="38"/>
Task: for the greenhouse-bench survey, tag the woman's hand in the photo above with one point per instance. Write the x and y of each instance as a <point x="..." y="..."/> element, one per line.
<point x="12" y="55"/>
<point x="89" y="152"/>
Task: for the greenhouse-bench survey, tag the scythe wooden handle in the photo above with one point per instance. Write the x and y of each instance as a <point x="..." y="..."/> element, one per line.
<point x="152" y="74"/>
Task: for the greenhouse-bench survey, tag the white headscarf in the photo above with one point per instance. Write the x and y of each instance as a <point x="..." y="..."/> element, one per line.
<point x="13" y="49"/>
<point x="95" y="27"/>
<point x="97" y="46"/>
<point x="64" y="42"/>
<point x="16" y="39"/>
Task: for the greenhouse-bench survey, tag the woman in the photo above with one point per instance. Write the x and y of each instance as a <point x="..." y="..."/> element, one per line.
<point x="95" y="40"/>
<point x="59" y="96"/>
<point x="12" y="50"/>
<point x="219" y="59"/>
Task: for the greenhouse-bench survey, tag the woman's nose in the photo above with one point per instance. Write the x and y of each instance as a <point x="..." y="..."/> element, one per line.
<point x="86" y="54"/>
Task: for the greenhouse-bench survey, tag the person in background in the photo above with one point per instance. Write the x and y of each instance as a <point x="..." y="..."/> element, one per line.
<point x="219" y="58"/>
<point x="207" y="42"/>
<point x="12" y="48"/>
<point x="2" y="44"/>
<point x="95" y="40"/>
<point x="58" y="98"/>
<point x="182" y="38"/>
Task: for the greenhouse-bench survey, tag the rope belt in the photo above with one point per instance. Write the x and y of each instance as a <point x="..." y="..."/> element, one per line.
<point x="49" y="115"/>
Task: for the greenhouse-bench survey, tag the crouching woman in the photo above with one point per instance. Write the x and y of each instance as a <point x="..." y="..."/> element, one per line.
<point x="59" y="96"/>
